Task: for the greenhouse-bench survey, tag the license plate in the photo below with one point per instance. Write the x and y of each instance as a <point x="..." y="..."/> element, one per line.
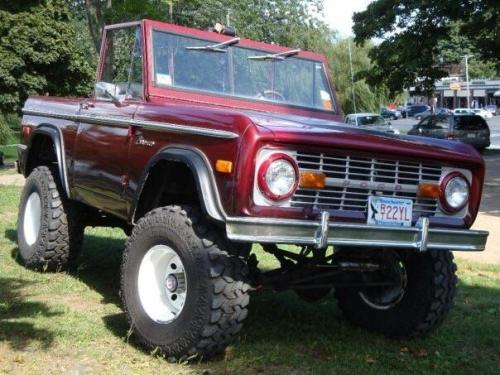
<point x="390" y="211"/>
<point x="471" y="135"/>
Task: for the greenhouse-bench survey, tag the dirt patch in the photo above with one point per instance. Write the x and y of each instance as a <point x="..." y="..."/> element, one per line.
<point x="9" y="176"/>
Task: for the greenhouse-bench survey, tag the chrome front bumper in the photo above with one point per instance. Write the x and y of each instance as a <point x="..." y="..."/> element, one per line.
<point x="323" y="233"/>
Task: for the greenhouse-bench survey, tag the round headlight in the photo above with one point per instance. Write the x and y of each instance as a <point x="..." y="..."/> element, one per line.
<point x="456" y="192"/>
<point x="278" y="177"/>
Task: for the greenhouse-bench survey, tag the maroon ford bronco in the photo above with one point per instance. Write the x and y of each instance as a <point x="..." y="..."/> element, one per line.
<point x="200" y="144"/>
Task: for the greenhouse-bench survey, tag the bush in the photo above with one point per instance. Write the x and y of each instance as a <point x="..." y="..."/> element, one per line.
<point x="5" y="132"/>
<point x="13" y="120"/>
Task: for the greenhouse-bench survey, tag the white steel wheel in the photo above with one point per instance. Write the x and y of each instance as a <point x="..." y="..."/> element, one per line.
<point x="162" y="284"/>
<point x="32" y="218"/>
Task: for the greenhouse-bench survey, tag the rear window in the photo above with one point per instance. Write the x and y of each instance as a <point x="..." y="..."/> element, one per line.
<point x="470" y="123"/>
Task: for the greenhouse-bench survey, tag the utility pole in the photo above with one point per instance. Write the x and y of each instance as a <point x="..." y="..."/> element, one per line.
<point x="466" y="57"/>
<point x="352" y="76"/>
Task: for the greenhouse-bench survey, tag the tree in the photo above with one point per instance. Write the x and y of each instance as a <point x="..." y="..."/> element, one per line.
<point x="293" y="23"/>
<point x="413" y="33"/>
<point x="38" y="53"/>
<point x="368" y="99"/>
<point x="287" y="22"/>
<point x="453" y="49"/>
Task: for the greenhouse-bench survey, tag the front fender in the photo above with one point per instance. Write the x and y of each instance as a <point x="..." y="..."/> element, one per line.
<point x="55" y="135"/>
<point x="206" y="187"/>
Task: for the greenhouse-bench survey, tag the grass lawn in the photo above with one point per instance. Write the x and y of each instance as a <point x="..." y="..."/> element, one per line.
<point x="9" y="152"/>
<point x="72" y="322"/>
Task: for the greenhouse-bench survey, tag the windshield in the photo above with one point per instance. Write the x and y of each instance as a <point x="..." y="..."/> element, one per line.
<point x="371" y="120"/>
<point x="189" y="63"/>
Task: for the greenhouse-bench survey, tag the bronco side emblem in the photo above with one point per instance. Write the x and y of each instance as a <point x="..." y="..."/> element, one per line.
<point x="143" y="142"/>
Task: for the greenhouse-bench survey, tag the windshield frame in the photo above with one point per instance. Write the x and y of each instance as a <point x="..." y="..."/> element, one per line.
<point x="232" y="100"/>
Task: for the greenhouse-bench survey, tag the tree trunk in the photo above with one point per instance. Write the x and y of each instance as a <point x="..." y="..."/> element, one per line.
<point x="95" y="11"/>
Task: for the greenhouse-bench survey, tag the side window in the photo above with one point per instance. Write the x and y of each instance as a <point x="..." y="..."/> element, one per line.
<point x="122" y="67"/>
<point x="425" y="123"/>
<point x="440" y="123"/>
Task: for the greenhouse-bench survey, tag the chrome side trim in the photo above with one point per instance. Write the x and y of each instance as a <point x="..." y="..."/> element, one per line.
<point x="303" y="232"/>
<point x="125" y="123"/>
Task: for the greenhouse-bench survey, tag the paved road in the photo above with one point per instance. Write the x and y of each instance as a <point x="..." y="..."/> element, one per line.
<point x="493" y="123"/>
<point x="489" y="211"/>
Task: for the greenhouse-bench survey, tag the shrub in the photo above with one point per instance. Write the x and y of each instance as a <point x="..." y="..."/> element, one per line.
<point x="13" y="120"/>
<point x="5" y="132"/>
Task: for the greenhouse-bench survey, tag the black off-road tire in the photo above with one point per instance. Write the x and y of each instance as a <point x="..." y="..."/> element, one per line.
<point x="217" y="294"/>
<point x="61" y="232"/>
<point x="431" y="287"/>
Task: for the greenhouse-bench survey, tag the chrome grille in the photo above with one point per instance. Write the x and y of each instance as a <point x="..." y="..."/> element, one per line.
<point x="351" y="180"/>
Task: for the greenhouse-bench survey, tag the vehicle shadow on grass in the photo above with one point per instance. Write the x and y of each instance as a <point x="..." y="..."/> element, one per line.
<point x="14" y="307"/>
<point x="272" y="321"/>
<point x="98" y="264"/>
<point x="324" y="336"/>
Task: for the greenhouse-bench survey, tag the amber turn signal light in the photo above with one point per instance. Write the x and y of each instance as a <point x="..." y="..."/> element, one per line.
<point x="223" y="166"/>
<point x="428" y="190"/>
<point x="312" y="180"/>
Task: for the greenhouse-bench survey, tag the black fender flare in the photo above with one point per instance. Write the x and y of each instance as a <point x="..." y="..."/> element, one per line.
<point x="196" y="161"/>
<point x="54" y="133"/>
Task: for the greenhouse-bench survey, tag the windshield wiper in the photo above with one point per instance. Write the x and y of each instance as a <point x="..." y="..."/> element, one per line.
<point x="276" y="56"/>
<point x="219" y="47"/>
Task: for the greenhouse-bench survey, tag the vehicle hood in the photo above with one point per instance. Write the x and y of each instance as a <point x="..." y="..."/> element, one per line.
<point x="292" y="129"/>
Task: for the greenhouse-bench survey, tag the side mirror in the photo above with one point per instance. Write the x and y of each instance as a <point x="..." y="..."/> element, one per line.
<point x="108" y="90"/>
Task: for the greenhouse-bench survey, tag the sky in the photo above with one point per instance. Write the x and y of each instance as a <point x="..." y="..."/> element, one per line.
<point x="338" y="14"/>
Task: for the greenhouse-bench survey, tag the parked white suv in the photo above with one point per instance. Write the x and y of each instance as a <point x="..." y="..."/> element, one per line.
<point x="482" y="112"/>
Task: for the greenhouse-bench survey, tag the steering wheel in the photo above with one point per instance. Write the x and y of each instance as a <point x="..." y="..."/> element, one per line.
<point x="271" y="94"/>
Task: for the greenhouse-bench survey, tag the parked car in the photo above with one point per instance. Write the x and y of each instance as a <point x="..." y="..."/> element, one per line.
<point x="197" y="158"/>
<point x="493" y="109"/>
<point x="412" y="110"/>
<point x="390" y="113"/>
<point x="462" y="111"/>
<point x="466" y="128"/>
<point x="482" y="112"/>
<point x="437" y="111"/>
<point x="370" y="121"/>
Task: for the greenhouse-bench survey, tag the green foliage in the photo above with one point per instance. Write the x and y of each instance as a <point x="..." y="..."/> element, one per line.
<point x="285" y="22"/>
<point x="368" y="99"/>
<point x="5" y="132"/>
<point x="416" y="32"/>
<point x="293" y="23"/>
<point x="453" y="49"/>
<point x="13" y="120"/>
<point x="39" y="53"/>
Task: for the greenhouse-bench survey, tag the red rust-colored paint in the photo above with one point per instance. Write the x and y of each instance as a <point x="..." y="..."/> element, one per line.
<point x="99" y="157"/>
